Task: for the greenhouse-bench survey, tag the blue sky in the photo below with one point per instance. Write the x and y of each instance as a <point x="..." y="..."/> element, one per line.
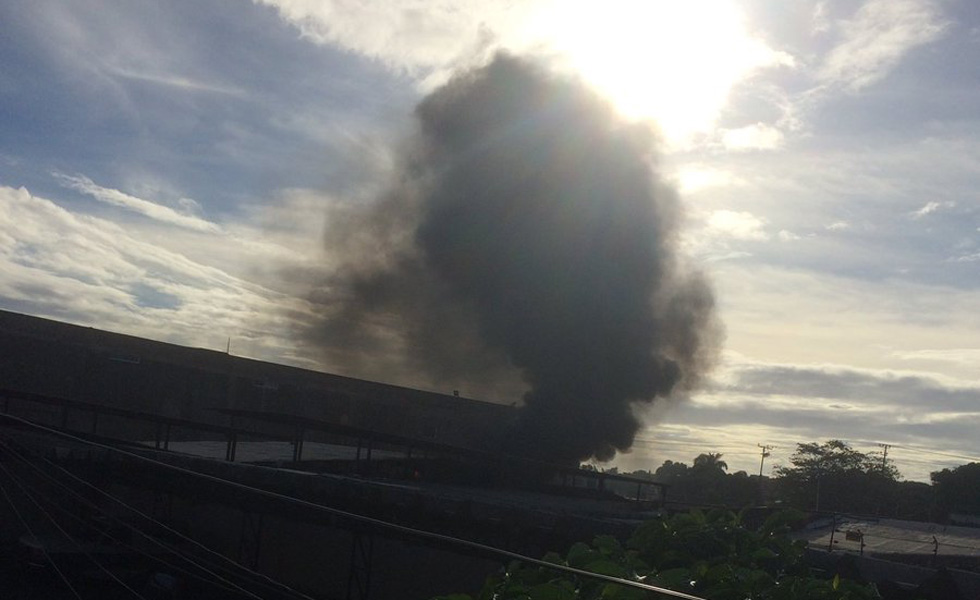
<point x="169" y="169"/>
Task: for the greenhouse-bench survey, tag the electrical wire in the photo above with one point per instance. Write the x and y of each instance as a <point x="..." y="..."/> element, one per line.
<point x="381" y="524"/>
<point x="937" y="452"/>
<point x="30" y="532"/>
<point x="222" y="583"/>
<point x="265" y="581"/>
<point x="68" y="536"/>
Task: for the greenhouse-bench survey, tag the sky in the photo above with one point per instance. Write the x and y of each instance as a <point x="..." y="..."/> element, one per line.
<point x="172" y="170"/>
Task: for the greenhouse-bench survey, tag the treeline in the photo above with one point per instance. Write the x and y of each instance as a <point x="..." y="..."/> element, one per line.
<point x="827" y="477"/>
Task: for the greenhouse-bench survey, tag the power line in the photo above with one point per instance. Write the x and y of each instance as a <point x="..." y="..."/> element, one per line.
<point x="420" y="533"/>
<point x="217" y="580"/>
<point x="267" y="582"/>
<point x="44" y="551"/>
<point x="68" y="536"/>
<point x="937" y="452"/>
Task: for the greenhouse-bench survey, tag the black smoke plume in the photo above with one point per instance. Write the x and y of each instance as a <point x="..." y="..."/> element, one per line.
<point x="526" y="232"/>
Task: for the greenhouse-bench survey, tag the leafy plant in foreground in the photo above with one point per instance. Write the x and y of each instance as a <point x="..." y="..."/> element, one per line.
<point x="711" y="555"/>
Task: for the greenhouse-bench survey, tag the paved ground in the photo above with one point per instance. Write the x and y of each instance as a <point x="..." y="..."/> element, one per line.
<point x="889" y="536"/>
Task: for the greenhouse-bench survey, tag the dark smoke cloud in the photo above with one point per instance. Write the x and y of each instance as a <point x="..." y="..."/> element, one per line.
<point x="526" y="233"/>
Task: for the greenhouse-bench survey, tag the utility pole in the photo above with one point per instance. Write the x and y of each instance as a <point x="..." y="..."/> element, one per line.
<point x="884" y="457"/>
<point x="765" y="452"/>
<point x="884" y="474"/>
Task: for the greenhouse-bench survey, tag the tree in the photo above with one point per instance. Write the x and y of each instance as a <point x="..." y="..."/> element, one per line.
<point x="833" y="476"/>
<point x="706" y="483"/>
<point x="670" y="472"/>
<point x="958" y="490"/>
<point x="710" y="463"/>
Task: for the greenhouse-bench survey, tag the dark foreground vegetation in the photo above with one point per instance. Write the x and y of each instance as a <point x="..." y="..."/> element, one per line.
<point x="710" y="554"/>
<point x="713" y="555"/>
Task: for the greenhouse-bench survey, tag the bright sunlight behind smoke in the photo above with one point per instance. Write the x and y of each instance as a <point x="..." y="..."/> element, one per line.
<point x="672" y="62"/>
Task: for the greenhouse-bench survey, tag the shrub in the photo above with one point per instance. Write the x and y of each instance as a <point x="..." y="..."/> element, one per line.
<point x="711" y="555"/>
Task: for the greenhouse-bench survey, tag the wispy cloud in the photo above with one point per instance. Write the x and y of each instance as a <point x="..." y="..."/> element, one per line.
<point x="908" y="392"/>
<point x="407" y="35"/>
<point x="91" y="271"/>
<point x="752" y="137"/>
<point x="929" y="208"/>
<point x="155" y="211"/>
<point x="875" y="40"/>
<point x="176" y="81"/>
<point x="963" y="356"/>
<point x="695" y="178"/>
<point x="967" y="258"/>
<point x="739" y="225"/>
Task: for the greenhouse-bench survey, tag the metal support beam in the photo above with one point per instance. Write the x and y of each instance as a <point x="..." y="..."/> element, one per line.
<point x="361" y="556"/>
<point x="250" y="543"/>
<point x="298" y="445"/>
<point x="232" y="446"/>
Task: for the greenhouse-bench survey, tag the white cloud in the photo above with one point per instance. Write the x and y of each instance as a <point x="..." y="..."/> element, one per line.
<point x="967" y="258"/>
<point x="875" y="40"/>
<point x="674" y="63"/>
<point x="930" y="208"/>
<point x="838" y="226"/>
<point x="694" y="179"/>
<point x="752" y="137"/>
<point x="91" y="271"/>
<point x="821" y="23"/>
<point x="161" y="213"/>
<point x="414" y="36"/>
<point x="785" y="404"/>
<point x="960" y="356"/>
<point x="925" y="210"/>
<point x="739" y="225"/>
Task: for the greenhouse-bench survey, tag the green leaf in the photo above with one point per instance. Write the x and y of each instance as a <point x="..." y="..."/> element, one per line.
<point x="836" y="583"/>
<point x="549" y="591"/>
<point x="779" y="521"/>
<point x="763" y="554"/>
<point x="607" y="545"/>
<point x="674" y="578"/>
<point x="619" y="592"/>
<point x="606" y="567"/>
<point x="579" y="554"/>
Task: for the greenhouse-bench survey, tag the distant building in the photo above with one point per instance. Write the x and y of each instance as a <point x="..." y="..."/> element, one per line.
<point x="90" y="365"/>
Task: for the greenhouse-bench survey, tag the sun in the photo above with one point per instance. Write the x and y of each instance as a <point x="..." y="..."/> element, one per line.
<point x="668" y="61"/>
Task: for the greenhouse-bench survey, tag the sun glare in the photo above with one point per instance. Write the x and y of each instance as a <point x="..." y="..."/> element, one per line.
<point x="669" y="61"/>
